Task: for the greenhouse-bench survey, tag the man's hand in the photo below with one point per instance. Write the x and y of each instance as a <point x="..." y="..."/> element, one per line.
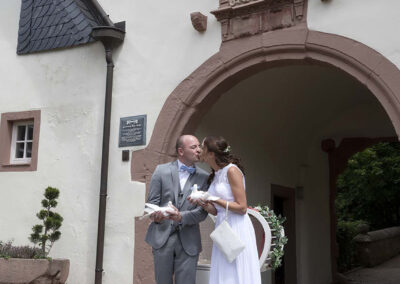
<point x="191" y="200"/>
<point x="176" y="216"/>
<point x="157" y="217"/>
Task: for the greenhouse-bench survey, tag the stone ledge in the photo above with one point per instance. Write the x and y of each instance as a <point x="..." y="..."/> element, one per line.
<point x="378" y="246"/>
<point x="35" y="271"/>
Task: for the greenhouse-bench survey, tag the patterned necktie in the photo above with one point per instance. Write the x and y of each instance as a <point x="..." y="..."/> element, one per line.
<point x="190" y="170"/>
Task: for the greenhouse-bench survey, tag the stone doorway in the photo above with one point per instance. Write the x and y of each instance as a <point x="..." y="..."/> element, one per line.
<point x="237" y="61"/>
<point x="275" y="120"/>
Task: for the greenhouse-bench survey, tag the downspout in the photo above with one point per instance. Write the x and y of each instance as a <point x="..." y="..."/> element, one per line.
<point x="111" y="37"/>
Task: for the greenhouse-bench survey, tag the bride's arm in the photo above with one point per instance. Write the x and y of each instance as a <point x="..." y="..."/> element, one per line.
<point x="235" y="179"/>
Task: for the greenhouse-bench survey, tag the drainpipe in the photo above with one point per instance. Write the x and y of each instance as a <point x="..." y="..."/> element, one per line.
<point x="111" y="37"/>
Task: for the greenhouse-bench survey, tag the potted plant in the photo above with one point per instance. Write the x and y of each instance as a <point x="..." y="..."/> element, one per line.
<point x="24" y="264"/>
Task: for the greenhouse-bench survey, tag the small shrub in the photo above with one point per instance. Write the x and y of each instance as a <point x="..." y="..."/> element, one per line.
<point x="7" y="250"/>
<point x="345" y="233"/>
<point x="47" y="233"/>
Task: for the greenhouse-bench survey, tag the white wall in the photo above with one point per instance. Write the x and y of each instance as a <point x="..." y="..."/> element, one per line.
<point x="373" y="23"/>
<point x="161" y="48"/>
<point x="275" y="121"/>
<point x="71" y="105"/>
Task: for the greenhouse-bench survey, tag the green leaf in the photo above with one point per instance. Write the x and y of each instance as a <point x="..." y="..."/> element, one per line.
<point x="45" y="203"/>
<point x="55" y="236"/>
<point x="51" y="193"/>
<point x="37" y="229"/>
<point x="42" y="214"/>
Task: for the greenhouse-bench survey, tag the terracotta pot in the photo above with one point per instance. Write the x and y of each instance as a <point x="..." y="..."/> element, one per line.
<point x="33" y="271"/>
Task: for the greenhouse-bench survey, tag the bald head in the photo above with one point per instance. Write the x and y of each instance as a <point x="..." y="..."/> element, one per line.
<point x="188" y="149"/>
<point x="181" y="140"/>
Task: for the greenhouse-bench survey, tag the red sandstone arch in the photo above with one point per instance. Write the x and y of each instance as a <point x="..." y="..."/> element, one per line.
<point x="238" y="59"/>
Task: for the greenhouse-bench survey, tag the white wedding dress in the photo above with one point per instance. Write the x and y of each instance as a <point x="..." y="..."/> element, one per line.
<point x="245" y="269"/>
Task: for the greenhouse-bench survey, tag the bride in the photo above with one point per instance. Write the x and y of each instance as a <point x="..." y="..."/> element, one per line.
<point x="227" y="182"/>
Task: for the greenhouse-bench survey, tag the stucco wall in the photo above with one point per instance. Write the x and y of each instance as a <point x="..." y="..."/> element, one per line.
<point x="370" y="22"/>
<point x="161" y="48"/>
<point x="71" y="105"/>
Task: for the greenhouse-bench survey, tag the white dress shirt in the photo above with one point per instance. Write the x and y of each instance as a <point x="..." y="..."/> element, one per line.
<point x="183" y="175"/>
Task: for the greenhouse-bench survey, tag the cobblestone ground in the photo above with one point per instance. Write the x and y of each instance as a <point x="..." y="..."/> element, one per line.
<point x="385" y="273"/>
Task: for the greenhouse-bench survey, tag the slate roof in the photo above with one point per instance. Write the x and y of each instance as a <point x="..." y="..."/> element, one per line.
<point x="50" y="24"/>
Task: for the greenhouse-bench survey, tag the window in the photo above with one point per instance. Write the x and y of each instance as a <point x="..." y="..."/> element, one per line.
<point x="19" y="140"/>
<point x="21" y="143"/>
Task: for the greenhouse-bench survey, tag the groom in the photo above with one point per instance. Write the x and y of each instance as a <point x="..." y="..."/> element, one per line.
<point x="176" y="239"/>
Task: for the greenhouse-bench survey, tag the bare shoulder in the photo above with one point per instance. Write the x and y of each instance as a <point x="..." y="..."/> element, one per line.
<point x="234" y="172"/>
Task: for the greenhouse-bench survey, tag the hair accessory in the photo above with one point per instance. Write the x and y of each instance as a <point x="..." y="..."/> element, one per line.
<point x="227" y="149"/>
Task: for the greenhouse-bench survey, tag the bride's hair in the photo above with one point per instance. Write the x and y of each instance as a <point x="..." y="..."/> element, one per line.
<point x="223" y="154"/>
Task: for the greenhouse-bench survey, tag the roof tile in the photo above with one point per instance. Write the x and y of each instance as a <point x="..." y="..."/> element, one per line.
<point x="49" y="24"/>
<point x="51" y="10"/>
<point x="44" y="10"/>
<point x="36" y="23"/>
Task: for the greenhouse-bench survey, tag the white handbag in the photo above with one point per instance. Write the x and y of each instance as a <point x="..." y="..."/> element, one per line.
<point x="227" y="240"/>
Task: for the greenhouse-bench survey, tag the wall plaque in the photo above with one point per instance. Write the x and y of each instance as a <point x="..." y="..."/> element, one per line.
<point x="132" y="131"/>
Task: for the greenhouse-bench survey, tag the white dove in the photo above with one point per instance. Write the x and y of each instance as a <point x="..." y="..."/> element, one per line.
<point x="151" y="208"/>
<point x="199" y="194"/>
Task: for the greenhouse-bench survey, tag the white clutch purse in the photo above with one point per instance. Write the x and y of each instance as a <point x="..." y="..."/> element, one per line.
<point x="227" y="241"/>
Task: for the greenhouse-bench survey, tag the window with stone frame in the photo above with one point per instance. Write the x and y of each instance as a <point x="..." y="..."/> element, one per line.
<point x="19" y="140"/>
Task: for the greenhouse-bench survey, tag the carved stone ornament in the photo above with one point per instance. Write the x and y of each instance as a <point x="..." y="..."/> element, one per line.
<point x="199" y="21"/>
<point x="238" y="2"/>
<point x="240" y="18"/>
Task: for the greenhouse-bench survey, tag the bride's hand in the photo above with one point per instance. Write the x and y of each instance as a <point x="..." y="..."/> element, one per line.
<point x="200" y="202"/>
<point x="208" y="206"/>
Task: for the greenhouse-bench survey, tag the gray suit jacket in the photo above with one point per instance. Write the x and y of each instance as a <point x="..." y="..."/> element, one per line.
<point x="164" y="187"/>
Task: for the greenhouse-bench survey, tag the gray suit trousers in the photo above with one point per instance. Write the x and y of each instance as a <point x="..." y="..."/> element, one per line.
<point x="172" y="259"/>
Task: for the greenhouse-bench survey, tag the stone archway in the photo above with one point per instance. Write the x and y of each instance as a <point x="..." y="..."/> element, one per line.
<point x="239" y="59"/>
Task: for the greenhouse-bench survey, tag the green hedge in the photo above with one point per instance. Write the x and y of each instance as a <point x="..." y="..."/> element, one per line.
<point x="345" y="232"/>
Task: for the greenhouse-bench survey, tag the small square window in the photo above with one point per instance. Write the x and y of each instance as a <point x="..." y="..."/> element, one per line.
<point x="19" y="140"/>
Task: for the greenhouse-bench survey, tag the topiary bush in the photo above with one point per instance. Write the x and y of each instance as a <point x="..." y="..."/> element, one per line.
<point x="46" y="233"/>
